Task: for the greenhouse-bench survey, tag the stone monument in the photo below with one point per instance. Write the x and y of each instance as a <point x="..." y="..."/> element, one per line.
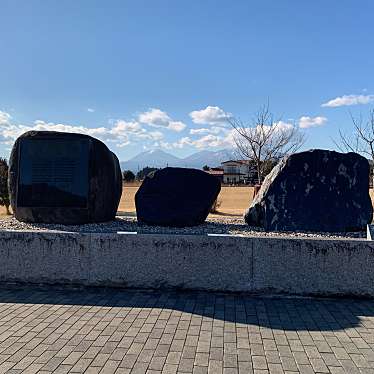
<point x="176" y="197"/>
<point x="317" y="190"/>
<point x="63" y="178"/>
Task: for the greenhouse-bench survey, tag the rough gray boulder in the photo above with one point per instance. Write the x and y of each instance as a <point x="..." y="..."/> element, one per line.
<point x="63" y="178"/>
<point x="317" y="190"/>
<point x="176" y="197"/>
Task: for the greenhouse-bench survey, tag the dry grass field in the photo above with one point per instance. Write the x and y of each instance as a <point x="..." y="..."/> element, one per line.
<point x="3" y="213"/>
<point x="234" y="200"/>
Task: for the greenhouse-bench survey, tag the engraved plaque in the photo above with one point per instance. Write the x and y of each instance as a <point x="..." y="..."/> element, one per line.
<point x="53" y="173"/>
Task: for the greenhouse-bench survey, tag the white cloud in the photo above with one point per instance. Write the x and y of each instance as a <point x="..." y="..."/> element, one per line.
<point x="306" y="122"/>
<point x="151" y="135"/>
<point x="176" y="126"/>
<point x="91" y="110"/>
<point x="4" y="117"/>
<point x="211" y="115"/>
<point x="172" y="145"/>
<point x="203" y="142"/>
<point x="156" y="135"/>
<point x="211" y="141"/>
<point x="347" y="100"/>
<point x="157" y="118"/>
<point x="211" y="130"/>
<point x="124" y="143"/>
<point x="280" y="125"/>
<point x="10" y="131"/>
<point x="122" y="127"/>
<point x="120" y="132"/>
<point x="181" y="143"/>
<point x="215" y="137"/>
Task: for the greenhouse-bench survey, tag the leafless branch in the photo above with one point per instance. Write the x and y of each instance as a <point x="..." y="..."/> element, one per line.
<point x="362" y="138"/>
<point x="265" y="139"/>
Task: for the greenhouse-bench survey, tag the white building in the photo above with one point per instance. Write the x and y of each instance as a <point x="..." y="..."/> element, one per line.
<point x="238" y="171"/>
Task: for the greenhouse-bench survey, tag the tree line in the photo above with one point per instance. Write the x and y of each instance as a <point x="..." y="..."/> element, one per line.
<point x="129" y="176"/>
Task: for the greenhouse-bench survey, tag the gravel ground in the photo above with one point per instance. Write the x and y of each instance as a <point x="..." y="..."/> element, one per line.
<point x="224" y="225"/>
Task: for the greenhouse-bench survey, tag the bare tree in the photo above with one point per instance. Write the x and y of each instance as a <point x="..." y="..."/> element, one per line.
<point x="265" y="140"/>
<point x="362" y="138"/>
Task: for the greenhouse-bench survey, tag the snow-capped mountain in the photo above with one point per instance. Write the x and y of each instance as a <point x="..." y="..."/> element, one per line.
<point x="153" y="158"/>
<point x="160" y="159"/>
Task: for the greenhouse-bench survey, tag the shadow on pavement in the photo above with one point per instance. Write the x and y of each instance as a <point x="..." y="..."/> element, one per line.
<point x="292" y="314"/>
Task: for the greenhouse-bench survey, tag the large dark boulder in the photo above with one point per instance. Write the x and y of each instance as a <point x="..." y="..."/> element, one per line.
<point x="64" y="178"/>
<point x="176" y="197"/>
<point x="317" y="190"/>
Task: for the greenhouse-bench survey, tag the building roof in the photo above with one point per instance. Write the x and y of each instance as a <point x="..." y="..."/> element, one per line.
<point x="216" y="169"/>
<point x="215" y="172"/>
<point x="241" y="162"/>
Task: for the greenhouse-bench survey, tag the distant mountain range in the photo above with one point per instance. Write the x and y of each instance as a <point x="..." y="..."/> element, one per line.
<point x="159" y="159"/>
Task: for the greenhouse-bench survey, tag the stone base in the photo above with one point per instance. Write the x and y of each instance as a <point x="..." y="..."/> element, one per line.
<point x="206" y="262"/>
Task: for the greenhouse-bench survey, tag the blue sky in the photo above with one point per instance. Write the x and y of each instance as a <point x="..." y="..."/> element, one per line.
<point x="166" y="74"/>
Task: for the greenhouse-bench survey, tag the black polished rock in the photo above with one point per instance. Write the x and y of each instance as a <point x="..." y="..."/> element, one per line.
<point x="63" y="178"/>
<point x="317" y="190"/>
<point x="176" y="197"/>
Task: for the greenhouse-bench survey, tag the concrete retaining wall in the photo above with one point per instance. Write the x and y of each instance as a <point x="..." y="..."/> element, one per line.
<point x="225" y="263"/>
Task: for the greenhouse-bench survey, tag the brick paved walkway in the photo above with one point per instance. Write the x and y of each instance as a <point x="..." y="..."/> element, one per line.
<point x="172" y="332"/>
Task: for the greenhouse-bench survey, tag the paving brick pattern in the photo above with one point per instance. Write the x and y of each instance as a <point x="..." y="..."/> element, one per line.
<point x="110" y="331"/>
